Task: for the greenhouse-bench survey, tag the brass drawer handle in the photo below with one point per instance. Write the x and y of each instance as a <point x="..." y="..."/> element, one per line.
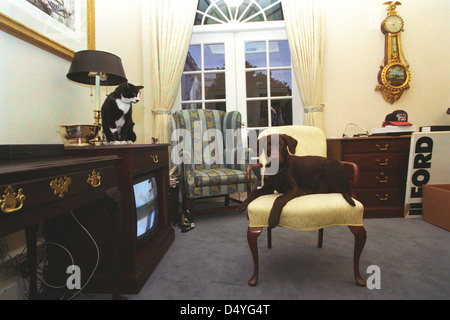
<point x="12" y="202"/>
<point x="383" y="178"/>
<point x="94" y="179"/>
<point x="60" y="186"/>
<point x="381" y="198"/>
<point x="383" y="163"/>
<point x="380" y="148"/>
<point x="154" y="158"/>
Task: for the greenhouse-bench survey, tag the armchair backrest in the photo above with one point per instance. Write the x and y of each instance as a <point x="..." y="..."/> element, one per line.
<point x="311" y="140"/>
<point x="208" y="134"/>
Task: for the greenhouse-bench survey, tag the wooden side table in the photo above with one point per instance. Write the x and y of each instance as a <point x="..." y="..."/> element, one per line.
<point x="383" y="165"/>
<point x="37" y="190"/>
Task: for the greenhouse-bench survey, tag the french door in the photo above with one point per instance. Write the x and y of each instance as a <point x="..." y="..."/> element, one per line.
<point x="248" y="71"/>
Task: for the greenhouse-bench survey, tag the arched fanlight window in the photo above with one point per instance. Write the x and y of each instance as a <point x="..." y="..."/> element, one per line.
<point x="224" y="11"/>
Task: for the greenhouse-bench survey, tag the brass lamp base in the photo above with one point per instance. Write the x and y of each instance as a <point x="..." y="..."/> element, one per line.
<point x="97" y="122"/>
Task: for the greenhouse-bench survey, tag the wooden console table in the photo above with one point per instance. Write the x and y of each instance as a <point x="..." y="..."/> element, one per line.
<point x="136" y="262"/>
<point x="383" y="165"/>
<point x="37" y="190"/>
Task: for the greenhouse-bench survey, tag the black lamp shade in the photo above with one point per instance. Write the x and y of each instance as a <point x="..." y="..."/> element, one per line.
<point x="96" y="61"/>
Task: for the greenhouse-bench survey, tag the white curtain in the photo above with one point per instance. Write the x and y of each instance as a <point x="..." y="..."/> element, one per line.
<point x="305" y="26"/>
<point x="171" y="24"/>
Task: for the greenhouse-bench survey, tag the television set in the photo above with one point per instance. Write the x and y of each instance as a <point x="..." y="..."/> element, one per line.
<point x="145" y="191"/>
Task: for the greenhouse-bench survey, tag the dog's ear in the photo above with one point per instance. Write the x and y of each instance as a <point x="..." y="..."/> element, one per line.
<point x="290" y="142"/>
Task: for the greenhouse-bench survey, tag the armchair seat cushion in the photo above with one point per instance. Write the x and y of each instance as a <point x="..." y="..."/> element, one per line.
<point x="307" y="213"/>
<point x="218" y="176"/>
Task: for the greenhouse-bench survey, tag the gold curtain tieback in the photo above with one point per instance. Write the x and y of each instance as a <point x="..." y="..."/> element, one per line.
<point x="316" y="108"/>
<point x="161" y="111"/>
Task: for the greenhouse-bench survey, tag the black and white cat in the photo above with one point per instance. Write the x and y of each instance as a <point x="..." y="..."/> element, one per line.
<point x="117" y="119"/>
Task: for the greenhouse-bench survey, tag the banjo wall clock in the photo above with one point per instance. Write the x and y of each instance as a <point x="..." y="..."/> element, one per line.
<point x="394" y="75"/>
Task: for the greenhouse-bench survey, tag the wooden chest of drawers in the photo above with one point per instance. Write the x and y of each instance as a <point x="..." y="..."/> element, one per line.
<point x="383" y="165"/>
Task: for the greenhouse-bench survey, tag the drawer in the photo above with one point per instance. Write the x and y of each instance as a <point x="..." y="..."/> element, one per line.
<point x="379" y="161"/>
<point x="375" y="145"/>
<point x="381" y="197"/>
<point x="39" y="192"/>
<point x="382" y="178"/>
<point x="148" y="159"/>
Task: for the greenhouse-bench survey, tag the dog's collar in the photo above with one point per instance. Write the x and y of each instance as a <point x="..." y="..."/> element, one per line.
<point x="279" y="171"/>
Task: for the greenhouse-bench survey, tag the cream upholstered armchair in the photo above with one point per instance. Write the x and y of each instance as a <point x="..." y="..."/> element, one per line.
<point x="309" y="212"/>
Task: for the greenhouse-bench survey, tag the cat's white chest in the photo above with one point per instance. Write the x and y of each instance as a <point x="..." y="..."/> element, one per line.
<point x="125" y="107"/>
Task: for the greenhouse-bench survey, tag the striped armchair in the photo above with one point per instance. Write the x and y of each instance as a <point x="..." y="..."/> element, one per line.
<point x="213" y="160"/>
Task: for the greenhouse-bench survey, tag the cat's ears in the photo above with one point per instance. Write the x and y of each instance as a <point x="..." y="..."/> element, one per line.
<point x="137" y="87"/>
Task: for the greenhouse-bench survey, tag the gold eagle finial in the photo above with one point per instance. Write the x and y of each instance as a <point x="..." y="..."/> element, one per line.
<point x="392" y="5"/>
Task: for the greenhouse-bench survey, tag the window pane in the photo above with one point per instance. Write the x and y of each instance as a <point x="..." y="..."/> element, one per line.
<point x="255" y="54"/>
<point x="215" y="86"/>
<point x="275" y="13"/>
<point x="194" y="59"/>
<point x="191" y="85"/>
<point x="257" y="18"/>
<point x="280" y="56"/>
<point x="251" y="11"/>
<point x="256" y="84"/>
<point x="257" y="115"/>
<point x="191" y="106"/>
<point x="224" y="8"/>
<point x="216" y="106"/>
<point x="281" y="112"/>
<point x="214" y="56"/>
<point x="281" y="83"/>
<point x="210" y="21"/>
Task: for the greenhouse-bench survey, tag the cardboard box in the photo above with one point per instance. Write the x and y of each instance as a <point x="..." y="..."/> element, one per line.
<point x="436" y="205"/>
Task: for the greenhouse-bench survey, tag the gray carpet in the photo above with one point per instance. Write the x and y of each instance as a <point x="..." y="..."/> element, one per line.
<point x="213" y="261"/>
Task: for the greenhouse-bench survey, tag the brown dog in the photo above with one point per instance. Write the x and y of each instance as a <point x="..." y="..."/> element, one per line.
<point x="299" y="176"/>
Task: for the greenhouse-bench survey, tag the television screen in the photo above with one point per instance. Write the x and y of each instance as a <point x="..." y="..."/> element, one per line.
<point x="146" y="198"/>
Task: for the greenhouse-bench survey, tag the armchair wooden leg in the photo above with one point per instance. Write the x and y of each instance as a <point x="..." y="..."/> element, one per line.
<point x="252" y="239"/>
<point x="360" y="240"/>
<point x="320" y="240"/>
<point x="227" y="200"/>
<point x="269" y="237"/>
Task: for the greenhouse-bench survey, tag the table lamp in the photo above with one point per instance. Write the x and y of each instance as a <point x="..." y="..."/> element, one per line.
<point x="99" y="68"/>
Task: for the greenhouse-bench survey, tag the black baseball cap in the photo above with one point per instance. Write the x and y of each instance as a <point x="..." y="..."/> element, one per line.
<point x="397" y="118"/>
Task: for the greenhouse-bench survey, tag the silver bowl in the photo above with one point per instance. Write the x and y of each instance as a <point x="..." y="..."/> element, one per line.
<point x="79" y="135"/>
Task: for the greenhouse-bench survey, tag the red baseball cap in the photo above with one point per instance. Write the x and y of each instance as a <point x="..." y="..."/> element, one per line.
<point x="397" y="118"/>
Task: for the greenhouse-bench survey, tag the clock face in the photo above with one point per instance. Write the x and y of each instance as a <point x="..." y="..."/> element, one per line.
<point x="393" y="24"/>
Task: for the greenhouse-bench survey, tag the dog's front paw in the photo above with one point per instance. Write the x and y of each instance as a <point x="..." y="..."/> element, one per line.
<point x="274" y="221"/>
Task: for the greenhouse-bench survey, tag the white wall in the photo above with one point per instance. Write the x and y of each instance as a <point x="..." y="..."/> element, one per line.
<point x="119" y="31"/>
<point x="355" y="49"/>
<point x="35" y="95"/>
